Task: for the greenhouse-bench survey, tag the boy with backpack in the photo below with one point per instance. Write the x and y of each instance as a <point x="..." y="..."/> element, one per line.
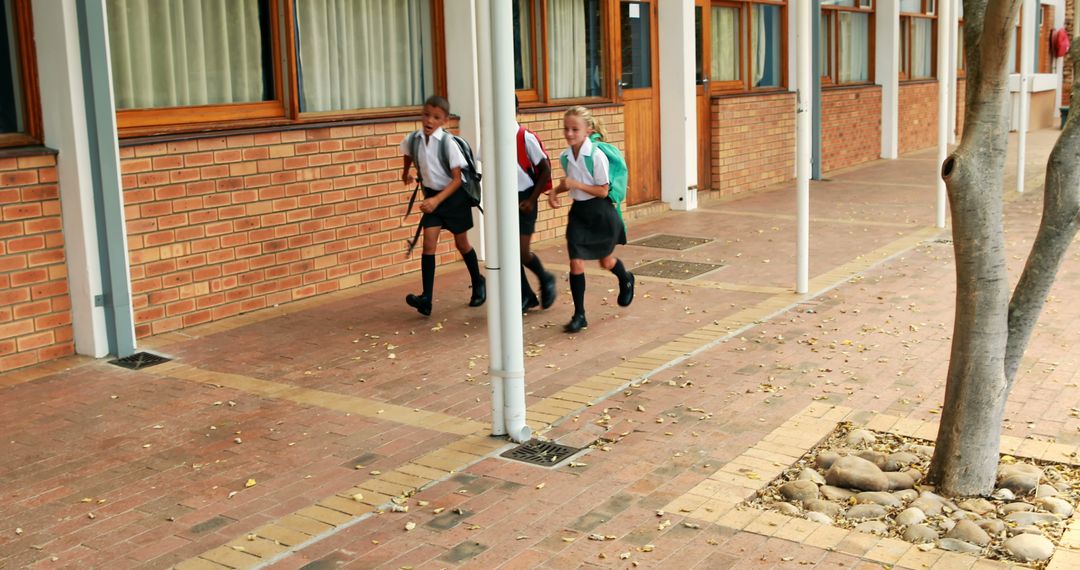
<point x="439" y="163"/>
<point x="533" y="179"/>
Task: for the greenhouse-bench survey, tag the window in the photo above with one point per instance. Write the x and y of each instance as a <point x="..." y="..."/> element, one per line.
<point x="746" y="45"/>
<point x="846" y="41"/>
<point x="20" y="121"/>
<point x="525" y="26"/>
<point x="1044" y="63"/>
<point x="185" y="64"/>
<point x="918" y="31"/>
<point x="575" y="49"/>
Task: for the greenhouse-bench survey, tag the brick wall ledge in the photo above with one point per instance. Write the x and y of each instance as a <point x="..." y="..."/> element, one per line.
<point x="917" y="82"/>
<point x="20" y="151"/>
<point x="851" y="87"/>
<point x="741" y="94"/>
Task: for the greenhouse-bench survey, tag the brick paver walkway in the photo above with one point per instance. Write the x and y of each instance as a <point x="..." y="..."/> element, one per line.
<point x="248" y="449"/>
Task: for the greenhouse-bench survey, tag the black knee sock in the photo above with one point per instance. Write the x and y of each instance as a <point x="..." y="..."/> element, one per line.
<point x="535" y="265"/>
<point x="473" y="265"/>
<point x="577" y="290"/>
<point x="427" y="273"/>
<point x="620" y="271"/>
<point x="526" y="289"/>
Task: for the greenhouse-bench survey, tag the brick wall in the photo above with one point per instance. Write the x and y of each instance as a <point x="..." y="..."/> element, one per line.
<point x="961" y="104"/>
<point x="850" y="126"/>
<point x="222" y="225"/>
<point x="918" y="115"/>
<point x="753" y="142"/>
<point x="35" y="309"/>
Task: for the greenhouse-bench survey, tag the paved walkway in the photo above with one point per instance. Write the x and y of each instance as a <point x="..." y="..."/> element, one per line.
<point x="280" y="438"/>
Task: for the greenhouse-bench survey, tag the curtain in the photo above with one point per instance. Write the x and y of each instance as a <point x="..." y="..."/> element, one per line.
<point x="765" y="45"/>
<point x="170" y="53"/>
<point x="725" y="44"/>
<point x="921" y="47"/>
<point x="566" y="35"/>
<point x="854" y="35"/>
<point x="825" y="43"/>
<point x="523" y="61"/>
<point x="363" y="54"/>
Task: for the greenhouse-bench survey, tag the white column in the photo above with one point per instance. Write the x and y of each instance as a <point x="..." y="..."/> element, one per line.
<point x="944" y="79"/>
<point x="678" y="108"/>
<point x="462" y="88"/>
<point x="804" y="97"/>
<point x="64" y="108"/>
<point x="887" y="64"/>
<point x="504" y="142"/>
<point x="1027" y="32"/>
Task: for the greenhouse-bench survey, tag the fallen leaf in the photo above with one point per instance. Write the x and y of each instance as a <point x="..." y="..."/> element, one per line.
<point x="249" y="484"/>
<point x="410" y="525"/>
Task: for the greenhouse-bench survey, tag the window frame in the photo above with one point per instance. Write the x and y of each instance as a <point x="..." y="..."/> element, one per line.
<point x="538" y="58"/>
<point x="742" y="85"/>
<point x="928" y="12"/>
<point x="23" y="24"/>
<point x="539" y="96"/>
<point x="830" y="79"/>
<point x="284" y="109"/>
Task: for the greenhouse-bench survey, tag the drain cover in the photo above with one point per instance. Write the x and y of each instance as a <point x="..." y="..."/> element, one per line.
<point x="537" y="452"/>
<point x="139" y="360"/>
<point x="665" y="241"/>
<point x="672" y="269"/>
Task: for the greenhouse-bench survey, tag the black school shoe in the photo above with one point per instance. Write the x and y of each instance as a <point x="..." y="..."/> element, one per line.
<point x="626" y="291"/>
<point x="577" y="322"/>
<point x="479" y="293"/>
<point x="419" y="302"/>
<point x="548" y="290"/>
<point x="530" y="302"/>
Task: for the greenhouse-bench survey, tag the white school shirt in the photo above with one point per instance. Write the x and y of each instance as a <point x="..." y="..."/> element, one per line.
<point x="576" y="169"/>
<point x="431" y="168"/>
<point x="536" y="154"/>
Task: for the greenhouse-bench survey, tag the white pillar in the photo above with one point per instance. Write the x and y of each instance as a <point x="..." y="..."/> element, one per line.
<point x="944" y="79"/>
<point x="887" y="62"/>
<point x="64" y="108"/>
<point x="1027" y="36"/>
<point x="804" y="101"/>
<point x="504" y="145"/>
<point x="462" y="87"/>
<point x="678" y="105"/>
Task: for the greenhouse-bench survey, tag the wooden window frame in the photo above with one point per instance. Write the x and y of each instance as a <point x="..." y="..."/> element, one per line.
<point x="538" y="10"/>
<point x="23" y="24"/>
<point x="961" y="64"/>
<point x="1044" y="61"/>
<point x="743" y="84"/>
<point x="284" y="109"/>
<point x="833" y="14"/>
<point x="927" y="13"/>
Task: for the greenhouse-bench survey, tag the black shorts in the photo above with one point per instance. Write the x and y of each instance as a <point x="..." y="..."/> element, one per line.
<point x="455" y="214"/>
<point x="526" y="222"/>
<point x="593" y="229"/>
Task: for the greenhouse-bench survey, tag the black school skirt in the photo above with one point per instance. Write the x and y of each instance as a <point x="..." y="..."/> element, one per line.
<point x="593" y="229"/>
<point x="455" y="214"/>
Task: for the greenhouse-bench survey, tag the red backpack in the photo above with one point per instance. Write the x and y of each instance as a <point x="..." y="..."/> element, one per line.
<point x="523" y="155"/>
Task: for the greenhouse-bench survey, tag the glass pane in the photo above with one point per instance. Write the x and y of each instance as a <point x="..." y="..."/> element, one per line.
<point x="725" y="44"/>
<point x="826" y="41"/>
<point x="11" y="105"/>
<point x="523" y="45"/>
<point x="850" y="3"/>
<point x="905" y="45"/>
<point x="960" y="47"/>
<point x="364" y="54"/>
<point x="765" y="46"/>
<point x="636" y="47"/>
<point x="699" y="47"/>
<point x="922" y="48"/>
<point x="576" y="66"/>
<point x="911" y="6"/>
<point x="854" y="38"/>
<point x="190" y="52"/>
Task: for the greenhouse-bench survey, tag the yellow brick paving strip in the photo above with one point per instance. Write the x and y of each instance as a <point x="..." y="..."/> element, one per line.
<point x="845" y="221"/>
<point x="716" y="499"/>
<point x="23" y="375"/>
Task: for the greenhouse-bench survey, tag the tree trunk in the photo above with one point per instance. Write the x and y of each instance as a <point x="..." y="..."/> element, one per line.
<point x="990" y="333"/>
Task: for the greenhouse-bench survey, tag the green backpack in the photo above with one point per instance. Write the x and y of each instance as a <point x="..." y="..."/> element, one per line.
<point x="617" y="172"/>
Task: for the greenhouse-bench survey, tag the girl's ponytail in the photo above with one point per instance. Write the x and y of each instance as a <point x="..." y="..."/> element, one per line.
<point x="587" y="116"/>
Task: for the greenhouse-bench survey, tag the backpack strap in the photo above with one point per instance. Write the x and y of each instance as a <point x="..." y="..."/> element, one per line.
<point x="523" y="154"/>
<point x="444" y="152"/>
<point x="564" y="162"/>
<point x="589" y="162"/>
<point x="414" y="148"/>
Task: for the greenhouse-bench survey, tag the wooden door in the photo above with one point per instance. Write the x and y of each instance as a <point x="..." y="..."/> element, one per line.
<point x="638" y="63"/>
<point x="702" y="49"/>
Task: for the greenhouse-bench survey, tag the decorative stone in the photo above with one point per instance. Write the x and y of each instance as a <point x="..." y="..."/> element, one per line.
<point x="825" y="459"/>
<point x="907" y="495"/>
<point x="1025" y="518"/>
<point x="992" y="526"/>
<point x="1016" y="508"/>
<point x="859" y="437"/>
<point x="788" y="509"/>
<point x="872" y="527"/>
<point x="1004" y="495"/>
<point x="835" y="493"/>
<point x="1030" y="547"/>
<point x="1056" y="506"/>
<point x="946" y="524"/>
<point x="878" y="498"/>
<point x="861" y="512"/>
<point x="899" y="481"/>
<point x="875" y="457"/>
<point x="899" y="460"/>
<point x="817" y="517"/>
<point x="808" y="474"/>
<point x="929" y="503"/>
<point x="856" y="473"/>
<point x="956" y="545"/>
<point x="826" y="508"/>
<point x="910" y="516"/>
<point x="926" y="451"/>
<point x="918" y="533"/>
<point x="799" y="490"/>
<point x="1020" y="478"/>
<point x="978" y="506"/>
<point x="1045" y="491"/>
<point x="968" y="531"/>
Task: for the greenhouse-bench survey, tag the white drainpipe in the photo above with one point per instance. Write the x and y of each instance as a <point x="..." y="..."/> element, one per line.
<point x="945" y="33"/>
<point x="803" y="31"/>
<point x="1026" y="60"/>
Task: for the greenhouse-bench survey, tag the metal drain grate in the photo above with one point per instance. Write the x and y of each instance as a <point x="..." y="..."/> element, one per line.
<point x="537" y="452"/>
<point x="666" y="241"/>
<point x="139" y="360"/>
<point x="672" y="269"/>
